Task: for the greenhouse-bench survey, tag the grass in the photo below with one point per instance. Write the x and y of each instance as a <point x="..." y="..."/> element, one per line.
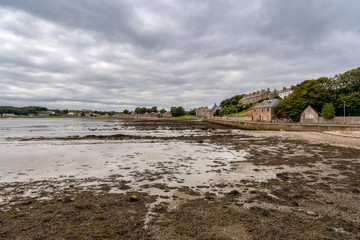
<point x="186" y="116"/>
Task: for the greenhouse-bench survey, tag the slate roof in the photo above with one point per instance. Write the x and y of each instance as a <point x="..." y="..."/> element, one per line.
<point x="268" y="103"/>
<point x="253" y="96"/>
<point x="309" y="106"/>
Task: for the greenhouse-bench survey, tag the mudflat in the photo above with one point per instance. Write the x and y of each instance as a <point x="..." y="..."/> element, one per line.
<point x="178" y="179"/>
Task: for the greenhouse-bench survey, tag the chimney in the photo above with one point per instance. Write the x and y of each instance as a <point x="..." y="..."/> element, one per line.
<point x="284" y="88"/>
<point x="268" y="89"/>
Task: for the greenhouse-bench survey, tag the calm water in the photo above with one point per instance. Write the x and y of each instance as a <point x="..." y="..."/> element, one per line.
<point x="56" y="127"/>
<point x="172" y="162"/>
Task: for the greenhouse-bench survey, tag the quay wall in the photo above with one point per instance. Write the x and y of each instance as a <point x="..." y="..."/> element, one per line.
<point x="285" y="126"/>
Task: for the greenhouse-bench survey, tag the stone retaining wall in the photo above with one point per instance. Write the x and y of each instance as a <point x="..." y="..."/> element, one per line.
<point x="285" y="126"/>
<point x="234" y="118"/>
<point x="340" y="120"/>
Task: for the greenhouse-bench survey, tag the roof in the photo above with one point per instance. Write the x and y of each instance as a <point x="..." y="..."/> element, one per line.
<point x="309" y="106"/>
<point x="254" y="95"/>
<point x="215" y="107"/>
<point x="285" y="90"/>
<point x="268" y="103"/>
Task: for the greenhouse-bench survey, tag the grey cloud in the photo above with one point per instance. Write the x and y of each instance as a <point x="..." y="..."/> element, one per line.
<point x="122" y="54"/>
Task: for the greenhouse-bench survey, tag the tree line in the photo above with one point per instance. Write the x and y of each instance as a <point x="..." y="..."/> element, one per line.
<point x="22" y="110"/>
<point x="143" y="110"/>
<point x="175" y="111"/>
<point x="328" y="95"/>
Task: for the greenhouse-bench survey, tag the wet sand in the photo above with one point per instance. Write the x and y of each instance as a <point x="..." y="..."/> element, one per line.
<point x="193" y="180"/>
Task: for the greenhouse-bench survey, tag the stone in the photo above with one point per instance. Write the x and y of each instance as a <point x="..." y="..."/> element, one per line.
<point x="311" y="213"/>
<point x="234" y="192"/>
<point x="71" y="185"/>
<point x="68" y="199"/>
<point x="239" y="203"/>
<point x="299" y="210"/>
<point x="329" y="202"/>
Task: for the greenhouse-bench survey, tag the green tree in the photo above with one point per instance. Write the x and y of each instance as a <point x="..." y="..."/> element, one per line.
<point x="126" y="111"/>
<point x="328" y="111"/>
<point x="163" y="111"/>
<point x="177" y="111"/>
<point x="192" y="112"/>
<point x="310" y="92"/>
<point x="154" y="109"/>
<point x="352" y="104"/>
<point x="138" y="110"/>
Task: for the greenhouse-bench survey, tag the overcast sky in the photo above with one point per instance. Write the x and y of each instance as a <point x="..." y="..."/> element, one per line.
<point x="116" y="55"/>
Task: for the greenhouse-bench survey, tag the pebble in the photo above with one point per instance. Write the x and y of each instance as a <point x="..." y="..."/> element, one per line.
<point x="71" y="185"/>
<point x="239" y="203"/>
<point x="68" y="199"/>
<point x="299" y="210"/>
<point x="311" y="213"/>
<point x="234" y="192"/>
<point x="329" y="202"/>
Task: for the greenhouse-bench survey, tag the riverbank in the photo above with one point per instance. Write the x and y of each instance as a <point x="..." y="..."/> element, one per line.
<point x="193" y="180"/>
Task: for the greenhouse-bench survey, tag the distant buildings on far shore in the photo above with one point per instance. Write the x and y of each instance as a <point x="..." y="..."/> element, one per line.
<point x="205" y="112"/>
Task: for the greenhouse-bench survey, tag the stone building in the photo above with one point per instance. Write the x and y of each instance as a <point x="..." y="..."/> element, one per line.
<point x="259" y="95"/>
<point x="285" y="92"/>
<point x="46" y="113"/>
<point x="8" y="115"/>
<point x="265" y="111"/>
<point x="205" y="112"/>
<point x="309" y="115"/>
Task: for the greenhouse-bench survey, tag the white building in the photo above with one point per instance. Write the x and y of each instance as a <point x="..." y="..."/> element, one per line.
<point x="285" y="92"/>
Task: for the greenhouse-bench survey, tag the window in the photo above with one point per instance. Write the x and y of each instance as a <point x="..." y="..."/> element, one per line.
<point x="309" y="116"/>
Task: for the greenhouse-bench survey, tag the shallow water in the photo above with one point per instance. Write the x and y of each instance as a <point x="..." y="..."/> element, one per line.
<point x="140" y="161"/>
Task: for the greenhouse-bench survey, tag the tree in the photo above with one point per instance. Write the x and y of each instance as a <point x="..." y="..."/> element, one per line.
<point x="143" y="110"/>
<point x="126" y="111"/>
<point x="352" y="104"/>
<point x="328" y="111"/>
<point x="192" y="112"/>
<point x="138" y="110"/>
<point x="177" y="111"/>
<point x="163" y="111"/>
<point x="310" y="92"/>
<point x="218" y="113"/>
<point x="154" y="109"/>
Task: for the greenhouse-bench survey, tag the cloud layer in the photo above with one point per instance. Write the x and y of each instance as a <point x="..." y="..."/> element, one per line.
<point x="112" y="55"/>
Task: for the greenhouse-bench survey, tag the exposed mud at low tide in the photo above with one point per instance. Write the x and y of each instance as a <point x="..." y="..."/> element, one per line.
<point x="193" y="180"/>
